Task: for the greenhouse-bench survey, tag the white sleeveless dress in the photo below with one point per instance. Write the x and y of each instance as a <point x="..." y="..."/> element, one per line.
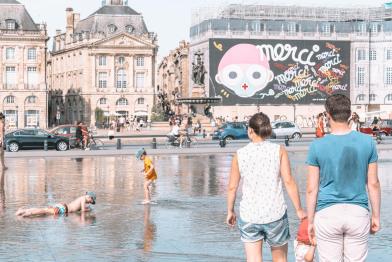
<point x="262" y="191"/>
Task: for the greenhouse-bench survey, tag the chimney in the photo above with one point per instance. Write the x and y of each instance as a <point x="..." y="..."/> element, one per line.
<point x="76" y="18"/>
<point x="70" y="20"/>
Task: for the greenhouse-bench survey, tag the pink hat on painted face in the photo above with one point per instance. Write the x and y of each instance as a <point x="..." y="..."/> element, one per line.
<point x="244" y="54"/>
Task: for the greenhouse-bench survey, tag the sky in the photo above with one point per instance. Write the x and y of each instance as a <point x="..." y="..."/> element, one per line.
<point x="170" y="19"/>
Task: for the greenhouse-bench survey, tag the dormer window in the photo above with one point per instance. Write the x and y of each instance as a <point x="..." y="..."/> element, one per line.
<point x="129" y="29"/>
<point x="10" y="24"/>
<point x="112" y="28"/>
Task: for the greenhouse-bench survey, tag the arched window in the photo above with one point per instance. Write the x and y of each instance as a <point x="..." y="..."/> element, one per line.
<point x="140" y="101"/>
<point x="9" y="100"/>
<point x="361" y="98"/>
<point x="31" y="100"/>
<point x="121" y="78"/>
<point x="122" y="102"/>
<point x="389" y="98"/>
<point x="129" y="28"/>
<point x="121" y="60"/>
<point x="372" y="97"/>
<point x="112" y="28"/>
<point x="102" y="101"/>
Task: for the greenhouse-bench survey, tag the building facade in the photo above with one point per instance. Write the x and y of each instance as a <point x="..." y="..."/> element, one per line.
<point x="23" y="91"/>
<point x="173" y="77"/>
<point x="103" y="65"/>
<point x="367" y="30"/>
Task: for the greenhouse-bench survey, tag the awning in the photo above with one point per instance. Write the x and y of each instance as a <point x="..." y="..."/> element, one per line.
<point x="141" y="113"/>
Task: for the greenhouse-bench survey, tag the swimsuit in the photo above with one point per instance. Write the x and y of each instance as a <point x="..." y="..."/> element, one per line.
<point x="60" y="209"/>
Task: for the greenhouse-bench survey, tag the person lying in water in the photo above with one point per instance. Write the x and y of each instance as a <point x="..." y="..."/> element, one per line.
<point x="79" y="204"/>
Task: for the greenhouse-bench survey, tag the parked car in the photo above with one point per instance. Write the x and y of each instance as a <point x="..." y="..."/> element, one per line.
<point x="34" y="139"/>
<point x="384" y="128"/>
<point x="283" y="129"/>
<point x="231" y="131"/>
<point x="68" y="131"/>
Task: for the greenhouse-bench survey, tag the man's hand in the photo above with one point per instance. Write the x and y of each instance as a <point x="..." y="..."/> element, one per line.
<point x="312" y="234"/>
<point x="375" y="225"/>
<point x="231" y="219"/>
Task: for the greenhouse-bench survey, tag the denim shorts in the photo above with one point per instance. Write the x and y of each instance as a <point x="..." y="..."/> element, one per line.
<point x="275" y="234"/>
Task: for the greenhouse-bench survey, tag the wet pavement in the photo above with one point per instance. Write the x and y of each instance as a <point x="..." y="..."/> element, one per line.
<point x="187" y="224"/>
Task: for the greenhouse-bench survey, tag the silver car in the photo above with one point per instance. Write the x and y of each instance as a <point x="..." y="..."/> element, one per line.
<point x="282" y="129"/>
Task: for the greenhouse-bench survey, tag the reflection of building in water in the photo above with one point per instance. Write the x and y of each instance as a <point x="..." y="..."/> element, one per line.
<point x="368" y="73"/>
<point x="23" y="97"/>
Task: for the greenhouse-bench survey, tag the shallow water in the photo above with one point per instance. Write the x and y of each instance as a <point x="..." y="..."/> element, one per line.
<point x="187" y="224"/>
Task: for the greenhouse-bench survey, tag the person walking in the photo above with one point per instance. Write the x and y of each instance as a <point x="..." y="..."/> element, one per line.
<point x="354" y="122"/>
<point x="342" y="169"/>
<point x="320" y="132"/>
<point x="2" y="134"/>
<point x="264" y="168"/>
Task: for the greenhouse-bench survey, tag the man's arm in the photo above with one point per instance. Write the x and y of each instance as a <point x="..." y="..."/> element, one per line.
<point x="234" y="182"/>
<point x="374" y="189"/>
<point x="290" y="184"/>
<point x="311" y="198"/>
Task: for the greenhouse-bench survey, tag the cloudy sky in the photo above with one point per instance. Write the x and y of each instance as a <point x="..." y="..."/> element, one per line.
<point x="171" y="19"/>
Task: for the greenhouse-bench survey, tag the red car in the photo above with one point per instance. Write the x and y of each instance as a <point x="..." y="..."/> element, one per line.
<point x="384" y="129"/>
<point x="68" y="131"/>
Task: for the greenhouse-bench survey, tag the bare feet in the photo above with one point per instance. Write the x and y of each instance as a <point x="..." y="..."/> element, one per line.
<point x="145" y="202"/>
<point x="20" y="212"/>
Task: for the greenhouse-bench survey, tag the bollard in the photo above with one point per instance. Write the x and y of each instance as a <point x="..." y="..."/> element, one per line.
<point x="118" y="144"/>
<point x="286" y="141"/>
<point x="154" y="143"/>
<point x="378" y="138"/>
<point x="46" y="145"/>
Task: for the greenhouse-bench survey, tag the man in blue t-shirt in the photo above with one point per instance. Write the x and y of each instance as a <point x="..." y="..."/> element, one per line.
<point x="342" y="167"/>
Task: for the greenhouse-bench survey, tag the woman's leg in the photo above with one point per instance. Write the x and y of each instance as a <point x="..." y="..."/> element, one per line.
<point x="254" y="251"/>
<point x="279" y="254"/>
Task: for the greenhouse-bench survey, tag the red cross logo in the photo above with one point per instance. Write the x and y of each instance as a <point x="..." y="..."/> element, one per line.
<point x="245" y="86"/>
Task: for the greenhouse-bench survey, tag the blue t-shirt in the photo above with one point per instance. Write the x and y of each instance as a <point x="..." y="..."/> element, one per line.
<point x="343" y="161"/>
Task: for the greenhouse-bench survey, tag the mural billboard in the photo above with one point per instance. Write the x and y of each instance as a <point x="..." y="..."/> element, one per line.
<point x="274" y="72"/>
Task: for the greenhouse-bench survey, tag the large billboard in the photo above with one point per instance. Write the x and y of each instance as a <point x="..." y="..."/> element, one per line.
<point x="275" y="72"/>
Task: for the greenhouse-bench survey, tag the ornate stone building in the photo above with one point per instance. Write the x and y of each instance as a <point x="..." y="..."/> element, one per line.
<point x="23" y="92"/>
<point x="104" y="63"/>
<point x="173" y="76"/>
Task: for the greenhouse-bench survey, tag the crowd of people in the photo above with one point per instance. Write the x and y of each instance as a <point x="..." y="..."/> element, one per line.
<point x="323" y="126"/>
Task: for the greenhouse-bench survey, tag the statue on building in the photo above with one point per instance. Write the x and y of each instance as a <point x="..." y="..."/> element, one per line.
<point x="198" y="70"/>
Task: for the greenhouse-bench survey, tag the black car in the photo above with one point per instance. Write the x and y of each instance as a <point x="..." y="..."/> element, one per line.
<point x="34" y="139"/>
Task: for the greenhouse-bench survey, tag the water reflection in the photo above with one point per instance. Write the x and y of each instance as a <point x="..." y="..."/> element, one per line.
<point x="188" y="221"/>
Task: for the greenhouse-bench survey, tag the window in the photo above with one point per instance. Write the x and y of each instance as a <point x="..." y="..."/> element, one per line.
<point x="140" y="101"/>
<point x="360" y="76"/>
<point x="129" y="28"/>
<point x="31" y="100"/>
<point x="362" y="27"/>
<point x="122" y="102"/>
<point x="256" y="26"/>
<point x="121" y="60"/>
<point x="10" y="75"/>
<point x="361" y="98"/>
<point x="372" y="97"/>
<point x="10" y="24"/>
<point x="121" y="78"/>
<point x="373" y="55"/>
<point x="389" y="98"/>
<point x="31" y="54"/>
<point x="361" y="54"/>
<point x="326" y="28"/>
<point x="9" y="100"/>
<point x="139" y="80"/>
<point x="32" y="77"/>
<point x="102" y="79"/>
<point x="292" y="27"/>
<point x="140" y="61"/>
<point x="375" y="28"/>
<point x="388" y="76"/>
<point x="10" y="53"/>
<point x="102" y="60"/>
<point x="112" y="28"/>
<point x="103" y="101"/>
<point x="27" y="132"/>
<point x="389" y="54"/>
<point x="32" y="120"/>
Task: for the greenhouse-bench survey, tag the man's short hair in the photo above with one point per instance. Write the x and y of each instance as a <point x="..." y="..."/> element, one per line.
<point x="338" y="106"/>
<point x="1" y="116"/>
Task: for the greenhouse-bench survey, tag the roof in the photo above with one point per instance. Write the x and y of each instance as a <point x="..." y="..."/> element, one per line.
<point x="120" y="16"/>
<point x="12" y="9"/>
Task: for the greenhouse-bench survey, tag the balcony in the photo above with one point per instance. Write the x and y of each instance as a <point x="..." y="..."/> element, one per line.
<point x="31" y="87"/>
<point x="10" y="86"/>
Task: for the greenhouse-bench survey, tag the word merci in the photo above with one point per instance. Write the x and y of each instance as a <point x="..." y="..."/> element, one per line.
<point x="282" y="52"/>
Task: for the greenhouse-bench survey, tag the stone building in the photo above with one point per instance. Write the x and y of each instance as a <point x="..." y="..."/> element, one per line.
<point x="173" y="77"/>
<point x="367" y="30"/>
<point x="23" y="92"/>
<point x="103" y="65"/>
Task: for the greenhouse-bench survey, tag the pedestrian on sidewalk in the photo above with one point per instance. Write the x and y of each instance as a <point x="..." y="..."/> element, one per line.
<point x="320" y="132"/>
<point x="264" y="168"/>
<point x="342" y="169"/>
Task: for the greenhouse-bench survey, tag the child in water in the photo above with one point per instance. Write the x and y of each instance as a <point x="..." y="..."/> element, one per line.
<point x="303" y="249"/>
<point x="79" y="204"/>
<point x="150" y="175"/>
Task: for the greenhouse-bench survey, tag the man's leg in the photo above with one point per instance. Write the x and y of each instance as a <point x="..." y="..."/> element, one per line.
<point x="279" y="254"/>
<point x="35" y="212"/>
<point x="329" y="226"/>
<point x="254" y="251"/>
<point x="357" y="234"/>
<point x="2" y="157"/>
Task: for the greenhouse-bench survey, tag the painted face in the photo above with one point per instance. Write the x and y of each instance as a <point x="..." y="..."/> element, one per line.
<point x="244" y="70"/>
